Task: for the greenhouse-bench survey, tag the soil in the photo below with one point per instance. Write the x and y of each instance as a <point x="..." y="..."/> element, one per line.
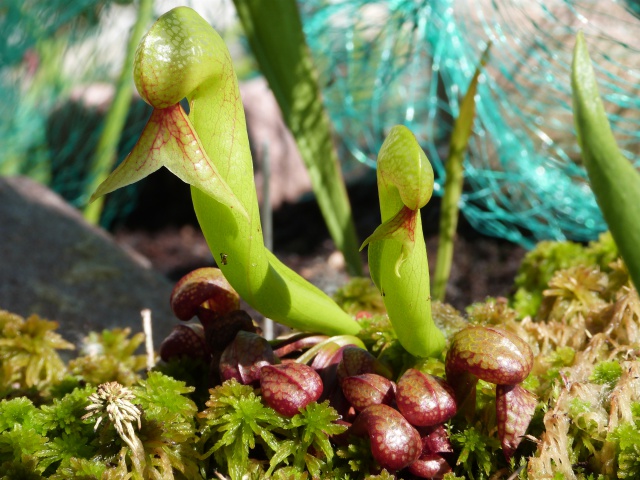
<point x="164" y="229"/>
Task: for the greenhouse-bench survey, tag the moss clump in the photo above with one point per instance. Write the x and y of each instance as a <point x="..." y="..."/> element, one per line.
<point x="234" y="423"/>
<point x="607" y="372"/>
<point x="583" y="329"/>
<point x="110" y="356"/>
<point x="577" y="309"/>
<point x="359" y="295"/>
<point x="547" y="258"/>
<point x="478" y="451"/>
<point x="29" y="353"/>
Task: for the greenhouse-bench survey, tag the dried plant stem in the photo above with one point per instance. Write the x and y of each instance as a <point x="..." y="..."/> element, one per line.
<point x="148" y="338"/>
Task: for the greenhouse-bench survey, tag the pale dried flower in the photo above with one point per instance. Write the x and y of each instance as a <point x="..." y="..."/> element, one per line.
<point x="114" y="401"/>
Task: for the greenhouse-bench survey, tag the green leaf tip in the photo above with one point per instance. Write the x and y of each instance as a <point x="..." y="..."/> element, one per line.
<point x="179" y="54"/>
<point x="403" y="168"/>
<point x="614" y="180"/>
<point x="274" y="32"/>
<point x="454" y="182"/>
<point x="402" y="162"/>
<point x="179" y="42"/>
<point x="397" y="251"/>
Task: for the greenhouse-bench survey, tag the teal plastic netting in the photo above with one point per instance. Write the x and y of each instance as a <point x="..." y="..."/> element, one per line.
<point x="381" y="63"/>
<point x="58" y="64"/>
<point x="409" y="62"/>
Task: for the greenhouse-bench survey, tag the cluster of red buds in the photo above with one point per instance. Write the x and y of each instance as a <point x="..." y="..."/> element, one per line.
<point x="403" y="419"/>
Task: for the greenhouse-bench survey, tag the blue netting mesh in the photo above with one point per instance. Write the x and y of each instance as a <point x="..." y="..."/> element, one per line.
<point x="410" y="61"/>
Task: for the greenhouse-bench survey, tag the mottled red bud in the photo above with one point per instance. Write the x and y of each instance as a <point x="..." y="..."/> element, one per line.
<point x="500" y="357"/>
<point x="367" y="389"/>
<point x="203" y="288"/>
<point x="395" y="444"/>
<point x="326" y="364"/>
<point x="432" y="466"/>
<point x="435" y="440"/>
<point x="494" y="355"/>
<point x="356" y="361"/>
<point x="289" y="387"/>
<point x="424" y="399"/>
<point x="184" y="341"/>
<point x="244" y="357"/>
<point x="515" y="407"/>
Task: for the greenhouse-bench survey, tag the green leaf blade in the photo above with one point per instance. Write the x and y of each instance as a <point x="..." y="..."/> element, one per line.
<point x="614" y="180"/>
<point x="454" y="181"/>
<point x="397" y="252"/>
<point x="274" y="31"/>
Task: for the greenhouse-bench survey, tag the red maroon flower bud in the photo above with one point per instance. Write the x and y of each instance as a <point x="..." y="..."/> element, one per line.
<point x="515" y="407"/>
<point x="499" y="357"/>
<point x="494" y="355"/>
<point x="424" y="399"/>
<point x="289" y="387"/>
<point x="367" y="389"/>
<point x="203" y="288"/>
<point x="435" y="440"/>
<point x="224" y="328"/>
<point x="244" y="357"/>
<point x="395" y="444"/>
<point x="356" y="361"/>
<point x="184" y="341"/>
<point x="432" y="466"/>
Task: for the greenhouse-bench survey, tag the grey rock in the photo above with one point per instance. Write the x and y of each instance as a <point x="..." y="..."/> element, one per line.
<point x="54" y="264"/>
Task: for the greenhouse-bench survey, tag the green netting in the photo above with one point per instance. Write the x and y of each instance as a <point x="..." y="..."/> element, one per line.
<point x="409" y="61"/>
<point x="381" y="63"/>
<point x="57" y="70"/>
